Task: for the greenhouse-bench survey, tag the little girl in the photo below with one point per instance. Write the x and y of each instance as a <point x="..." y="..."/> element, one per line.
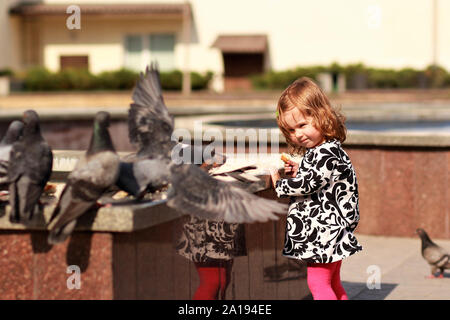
<point x="324" y="208"/>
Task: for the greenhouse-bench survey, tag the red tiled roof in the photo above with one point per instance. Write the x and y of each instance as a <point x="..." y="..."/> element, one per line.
<point x="241" y="43"/>
<point x="92" y="9"/>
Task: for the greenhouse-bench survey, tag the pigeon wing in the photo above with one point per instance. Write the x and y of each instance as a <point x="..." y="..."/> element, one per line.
<point x="433" y="254"/>
<point x="64" y="216"/>
<point x="149" y="121"/>
<point x="4" y="163"/>
<point x="86" y="183"/>
<point x="195" y="192"/>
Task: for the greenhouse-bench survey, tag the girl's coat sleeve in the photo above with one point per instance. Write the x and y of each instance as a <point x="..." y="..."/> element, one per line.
<point x="314" y="174"/>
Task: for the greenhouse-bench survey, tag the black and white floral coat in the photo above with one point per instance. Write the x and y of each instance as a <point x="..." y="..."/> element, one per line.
<point x="324" y="211"/>
<point x="206" y="241"/>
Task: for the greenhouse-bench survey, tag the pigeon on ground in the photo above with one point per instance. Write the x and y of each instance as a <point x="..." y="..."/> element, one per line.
<point x="436" y="256"/>
<point x="30" y="167"/>
<point x="94" y="174"/>
<point x="192" y="191"/>
<point x="12" y="135"/>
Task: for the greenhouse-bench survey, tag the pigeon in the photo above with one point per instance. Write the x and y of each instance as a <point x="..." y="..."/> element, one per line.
<point x="12" y="135"/>
<point x="93" y="175"/>
<point x="150" y="128"/>
<point x="436" y="256"/>
<point x="30" y="167"/>
<point x="191" y="190"/>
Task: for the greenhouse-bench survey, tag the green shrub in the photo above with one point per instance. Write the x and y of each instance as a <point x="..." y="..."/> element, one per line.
<point x="121" y="79"/>
<point x="74" y="79"/>
<point x="382" y="78"/>
<point x="41" y="79"/>
<point x="281" y="79"/>
<point x="172" y="80"/>
<point x="436" y="76"/>
<point x="6" y="72"/>
<point x="358" y="76"/>
<point x="409" y="78"/>
<point x="200" y="82"/>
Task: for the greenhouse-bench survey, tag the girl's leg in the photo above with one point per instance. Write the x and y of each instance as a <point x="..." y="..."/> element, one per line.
<point x="209" y="285"/>
<point x="214" y="280"/>
<point x="336" y="283"/>
<point x="319" y="277"/>
<point x="225" y="276"/>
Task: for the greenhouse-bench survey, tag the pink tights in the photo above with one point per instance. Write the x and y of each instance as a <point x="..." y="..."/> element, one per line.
<point x="324" y="281"/>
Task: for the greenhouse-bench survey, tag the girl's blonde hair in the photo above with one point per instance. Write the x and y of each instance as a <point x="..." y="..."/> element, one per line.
<point x="307" y="96"/>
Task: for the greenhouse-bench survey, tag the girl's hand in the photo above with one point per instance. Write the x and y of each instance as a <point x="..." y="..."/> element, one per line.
<point x="291" y="168"/>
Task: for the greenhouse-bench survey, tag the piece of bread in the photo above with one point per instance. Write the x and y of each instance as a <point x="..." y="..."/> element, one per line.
<point x="285" y="157"/>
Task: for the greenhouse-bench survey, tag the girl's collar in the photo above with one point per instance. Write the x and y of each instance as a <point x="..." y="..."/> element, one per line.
<point x="321" y="144"/>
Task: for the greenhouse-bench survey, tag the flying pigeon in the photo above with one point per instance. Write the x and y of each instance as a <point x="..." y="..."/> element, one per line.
<point x="192" y="191"/>
<point x="437" y="257"/>
<point x="30" y="167"/>
<point x="12" y="135"/>
<point x="150" y="128"/>
<point x="95" y="173"/>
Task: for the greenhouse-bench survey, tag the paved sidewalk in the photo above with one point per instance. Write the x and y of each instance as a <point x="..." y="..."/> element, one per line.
<point x="401" y="267"/>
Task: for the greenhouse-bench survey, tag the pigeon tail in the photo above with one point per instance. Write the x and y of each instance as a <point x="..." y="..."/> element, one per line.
<point x="61" y="234"/>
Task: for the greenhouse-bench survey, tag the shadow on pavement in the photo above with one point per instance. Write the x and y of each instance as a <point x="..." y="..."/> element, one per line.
<point x="360" y="290"/>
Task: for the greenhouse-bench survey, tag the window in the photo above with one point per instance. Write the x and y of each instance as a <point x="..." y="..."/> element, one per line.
<point x="133" y="45"/>
<point x="140" y="50"/>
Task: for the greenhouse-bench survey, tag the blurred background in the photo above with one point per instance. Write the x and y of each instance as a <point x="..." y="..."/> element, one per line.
<point x="225" y="46"/>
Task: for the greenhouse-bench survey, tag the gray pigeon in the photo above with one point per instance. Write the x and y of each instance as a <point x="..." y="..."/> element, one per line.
<point x="30" y="167"/>
<point x="192" y="191"/>
<point x="94" y="174"/>
<point x="437" y="257"/>
<point x="150" y="128"/>
<point x="12" y="135"/>
<point x="139" y="174"/>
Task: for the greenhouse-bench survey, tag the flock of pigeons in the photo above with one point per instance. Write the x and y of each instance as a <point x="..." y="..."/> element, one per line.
<point x="26" y="165"/>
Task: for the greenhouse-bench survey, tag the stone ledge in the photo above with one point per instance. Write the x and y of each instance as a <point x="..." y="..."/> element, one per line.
<point x="118" y="218"/>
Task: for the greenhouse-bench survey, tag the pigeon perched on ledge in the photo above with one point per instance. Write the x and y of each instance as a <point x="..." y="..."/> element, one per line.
<point x="30" y="167"/>
<point x="93" y="174"/>
<point x="436" y="256"/>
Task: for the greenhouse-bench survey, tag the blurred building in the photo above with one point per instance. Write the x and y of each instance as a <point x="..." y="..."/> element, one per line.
<point x="231" y="38"/>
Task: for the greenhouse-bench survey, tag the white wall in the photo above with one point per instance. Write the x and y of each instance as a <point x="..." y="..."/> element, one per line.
<point x="323" y="31"/>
